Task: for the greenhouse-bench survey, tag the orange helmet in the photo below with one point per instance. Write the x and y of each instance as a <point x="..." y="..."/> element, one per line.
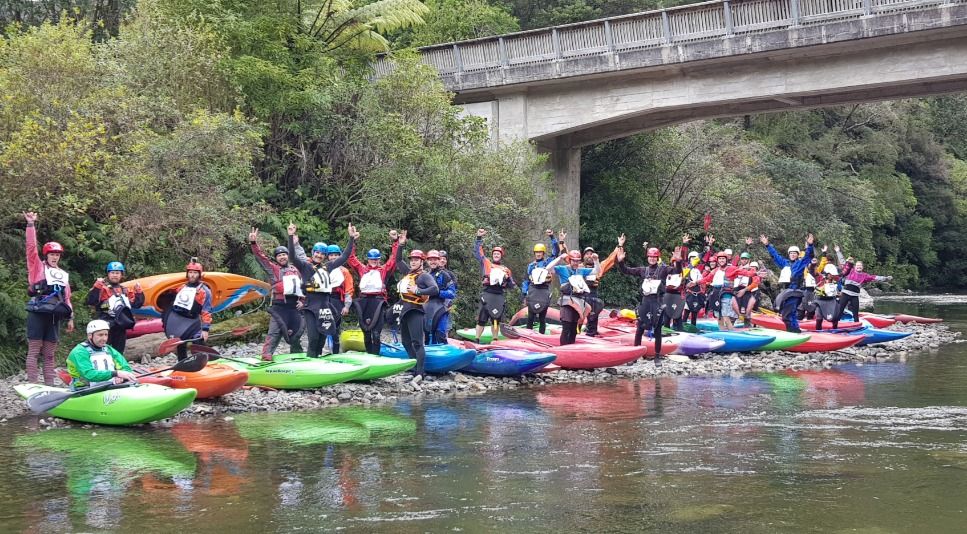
<point x="574" y="255"/>
<point x="498" y="249"/>
<point x="416" y="253"/>
<point x="653" y="252"/>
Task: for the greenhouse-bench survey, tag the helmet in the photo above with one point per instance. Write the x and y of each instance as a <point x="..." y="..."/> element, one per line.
<point x="433" y="254"/>
<point x="746" y="256"/>
<point x="333" y="249"/>
<point x="443" y="254"/>
<point x="417" y="253"/>
<point x="588" y="249"/>
<point x="52" y="246"/>
<point x="728" y="252"/>
<point x="193" y="265"/>
<point x="693" y="254"/>
<point x="722" y="254"/>
<point x="540" y="247"/>
<point x="373" y="254"/>
<point x="653" y="252"/>
<point x="279" y="250"/>
<point x="115" y="266"/>
<point x="320" y="247"/>
<point x="498" y="249"/>
<point x="793" y="248"/>
<point x="831" y="269"/>
<point x="574" y="255"/>
<point x="97" y="325"/>
<point x="754" y="265"/>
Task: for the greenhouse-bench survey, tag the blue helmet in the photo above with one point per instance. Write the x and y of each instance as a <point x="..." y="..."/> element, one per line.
<point x="115" y="266"/>
<point x="320" y="247"/>
<point x="373" y="254"/>
<point x="333" y="249"/>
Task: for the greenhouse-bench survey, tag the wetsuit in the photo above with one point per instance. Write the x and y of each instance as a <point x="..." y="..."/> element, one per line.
<point x="849" y="297"/>
<point x="496" y="279"/>
<point x="827" y="306"/>
<point x="114" y="303"/>
<point x="673" y="300"/>
<point x="574" y="292"/>
<point x="536" y="288"/>
<point x="650" y="312"/>
<point x="807" y="307"/>
<point x="90" y="366"/>
<point x="791" y="280"/>
<point x="322" y="309"/>
<point x="746" y="281"/>
<point x="438" y="322"/>
<point x="694" y="291"/>
<point x="189" y="315"/>
<point x="372" y="297"/>
<point x="285" y="316"/>
<point x="50" y="303"/>
<point x="594" y="281"/>
<point x="415" y="305"/>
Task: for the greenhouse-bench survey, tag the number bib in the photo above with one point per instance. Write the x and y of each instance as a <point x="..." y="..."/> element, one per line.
<point x="718" y="279"/>
<point x="785" y="275"/>
<point x="673" y="280"/>
<point x="650" y="286"/>
<point x="185" y="298"/>
<point x="117" y="300"/>
<point x="371" y="282"/>
<point x="539" y="276"/>
<point x="56" y="277"/>
<point x="808" y="280"/>
<point x="292" y="285"/>
<point x="830" y="289"/>
<point x="578" y="284"/>
<point x="102" y="361"/>
<point x="741" y="281"/>
<point x="497" y="276"/>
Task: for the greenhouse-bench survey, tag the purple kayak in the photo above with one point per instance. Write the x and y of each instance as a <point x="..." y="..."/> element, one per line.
<point x="508" y="362"/>
<point x="691" y="344"/>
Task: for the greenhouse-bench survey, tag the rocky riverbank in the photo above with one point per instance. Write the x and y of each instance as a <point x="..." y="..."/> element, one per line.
<point x="924" y="338"/>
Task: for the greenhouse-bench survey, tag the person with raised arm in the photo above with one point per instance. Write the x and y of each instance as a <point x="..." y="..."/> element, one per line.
<point x="372" y="289"/>
<point x="791" y="279"/>
<point x="285" y="311"/>
<point x="497" y="278"/>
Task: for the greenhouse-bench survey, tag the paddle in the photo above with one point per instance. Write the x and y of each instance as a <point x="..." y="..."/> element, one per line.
<point x="48" y="400"/>
<point x="169" y="345"/>
<point x="511" y="333"/>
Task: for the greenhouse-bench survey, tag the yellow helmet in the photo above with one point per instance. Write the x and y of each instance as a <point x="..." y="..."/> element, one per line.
<point x="540" y="247"/>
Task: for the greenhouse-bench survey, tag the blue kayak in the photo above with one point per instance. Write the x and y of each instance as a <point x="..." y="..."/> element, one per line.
<point x="508" y="362"/>
<point x="439" y="358"/>
<point x="739" y="341"/>
<point x="877" y="335"/>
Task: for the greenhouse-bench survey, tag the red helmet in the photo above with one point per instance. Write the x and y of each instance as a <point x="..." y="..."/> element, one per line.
<point x="433" y="255"/>
<point x="52" y="246"/>
<point x="193" y="265"/>
<point x="498" y="249"/>
<point x="653" y="252"/>
<point x="574" y="255"/>
<point x="416" y="253"/>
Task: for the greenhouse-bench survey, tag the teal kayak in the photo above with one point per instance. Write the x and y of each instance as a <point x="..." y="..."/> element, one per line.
<point x="128" y="405"/>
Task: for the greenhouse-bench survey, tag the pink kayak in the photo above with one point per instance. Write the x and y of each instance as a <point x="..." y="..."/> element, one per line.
<point x="580" y="356"/>
<point x="145" y="327"/>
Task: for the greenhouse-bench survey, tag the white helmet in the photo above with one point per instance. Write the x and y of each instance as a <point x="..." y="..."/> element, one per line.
<point x="693" y="254"/>
<point x="754" y="265"/>
<point x="728" y="252"/>
<point x="831" y="269"/>
<point x="795" y="249"/>
<point x="97" y="325"/>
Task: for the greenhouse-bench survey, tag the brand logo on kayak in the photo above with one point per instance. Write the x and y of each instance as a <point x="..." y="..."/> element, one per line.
<point x="111" y="397"/>
<point x="280" y="371"/>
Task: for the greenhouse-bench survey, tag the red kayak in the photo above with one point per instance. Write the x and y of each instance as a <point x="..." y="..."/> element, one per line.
<point x="775" y="323"/>
<point x="879" y="321"/>
<point x="822" y="342"/>
<point x="904" y="318"/>
<point x="580" y="356"/>
<point x="214" y="380"/>
<point x="669" y="343"/>
<point x="145" y="327"/>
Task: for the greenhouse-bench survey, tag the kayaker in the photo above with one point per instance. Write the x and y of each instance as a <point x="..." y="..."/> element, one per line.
<point x="285" y="312"/>
<point x="713" y="301"/>
<point x="673" y="301"/>
<point x="320" y="277"/>
<point x="497" y="278"/>
<point x="590" y="259"/>
<point x="190" y="314"/>
<point x="810" y="278"/>
<point x="94" y="362"/>
<point x="653" y="276"/>
<point x="536" y="286"/>
<point x="372" y="289"/>
<point x="344" y="293"/>
<point x="416" y="288"/>
<point x="574" y="291"/>
<point x="723" y="278"/>
<point x="853" y="279"/>
<point x="827" y="292"/>
<point x="50" y="302"/>
<point x="693" y="273"/>
<point x="444" y="262"/>
<point x="744" y="286"/>
<point x="790" y="280"/>
<point x="438" y="316"/>
<point x="114" y="303"/>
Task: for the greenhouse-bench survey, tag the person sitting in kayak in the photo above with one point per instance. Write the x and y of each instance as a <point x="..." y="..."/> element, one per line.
<point x="190" y="314"/>
<point x="417" y="289"/>
<point x="723" y="277"/>
<point x="438" y="324"/>
<point x="94" y="362"/>
<point x="497" y="278"/>
<point x="790" y="280"/>
<point x="285" y="312"/>
<point x="536" y="286"/>
<point x="590" y="258"/>
<point x="573" y="278"/>
<point x="114" y="303"/>
<point x="372" y="289"/>
<point x="320" y="277"/>
<point x="853" y="279"/>
<point x="653" y="275"/>
<point x="50" y="302"/>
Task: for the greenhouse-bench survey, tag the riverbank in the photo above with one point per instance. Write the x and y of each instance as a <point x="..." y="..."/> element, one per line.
<point x="456" y="384"/>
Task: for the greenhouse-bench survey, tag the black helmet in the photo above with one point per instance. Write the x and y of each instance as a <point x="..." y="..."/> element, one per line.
<point x="279" y="250"/>
<point x="443" y="253"/>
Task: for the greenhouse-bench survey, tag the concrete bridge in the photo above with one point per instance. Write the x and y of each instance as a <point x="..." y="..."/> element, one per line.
<point x="571" y="86"/>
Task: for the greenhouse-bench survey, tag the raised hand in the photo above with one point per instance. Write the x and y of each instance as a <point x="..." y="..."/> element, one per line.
<point x="710" y="239"/>
<point x="836" y="248"/>
<point x="686" y="238"/>
<point x="291" y="229"/>
<point x="825" y="248"/>
<point x="481" y="232"/>
<point x="562" y="235"/>
<point x="253" y="235"/>
<point x="393" y="235"/>
<point x="810" y="239"/>
<point x="645" y="244"/>
<point x="30" y="216"/>
<point x="748" y="241"/>
<point x="763" y="239"/>
<point x="402" y="237"/>
<point x="621" y="240"/>
<point x="549" y="232"/>
<point x="351" y="230"/>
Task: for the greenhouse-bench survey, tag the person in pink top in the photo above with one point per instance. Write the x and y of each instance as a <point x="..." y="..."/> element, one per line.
<point x="853" y="279"/>
<point x="50" y="302"/>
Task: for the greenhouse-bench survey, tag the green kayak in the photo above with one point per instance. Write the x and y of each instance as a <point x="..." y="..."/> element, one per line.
<point x="379" y="366"/>
<point x="132" y="405"/>
<point x="470" y="334"/>
<point x="350" y="424"/>
<point x="295" y="371"/>
<point x="784" y="340"/>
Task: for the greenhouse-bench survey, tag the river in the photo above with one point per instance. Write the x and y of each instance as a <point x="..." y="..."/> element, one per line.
<point x="859" y="448"/>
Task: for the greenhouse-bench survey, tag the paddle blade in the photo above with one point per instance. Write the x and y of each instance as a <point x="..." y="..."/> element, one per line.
<point x="47" y="400"/>
<point x="509" y="332"/>
<point x="168" y="346"/>
<point x="203" y="349"/>
<point x="192" y="364"/>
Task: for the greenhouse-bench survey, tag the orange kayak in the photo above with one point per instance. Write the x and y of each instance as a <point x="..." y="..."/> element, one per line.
<point x="228" y="290"/>
<point x="214" y="380"/>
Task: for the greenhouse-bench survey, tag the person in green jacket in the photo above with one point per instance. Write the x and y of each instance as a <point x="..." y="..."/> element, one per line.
<point x="94" y="362"/>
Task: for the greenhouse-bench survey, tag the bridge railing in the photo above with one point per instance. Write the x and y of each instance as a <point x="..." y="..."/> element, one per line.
<point x="652" y="29"/>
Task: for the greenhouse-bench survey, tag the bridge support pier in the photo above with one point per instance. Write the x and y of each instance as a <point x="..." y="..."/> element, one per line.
<point x="563" y="191"/>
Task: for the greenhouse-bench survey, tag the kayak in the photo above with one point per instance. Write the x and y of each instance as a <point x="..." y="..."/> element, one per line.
<point x="691" y="344"/>
<point x="440" y="359"/>
<point x="166" y="381"/>
<point x="876" y="335"/>
<point x="784" y="340"/>
<point x="508" y="362"/>
<point x="296" y="372"/>
<point x="126" y="405"/>
<point x="369" y="426"/>
<point x="878" y="321"/>
<point x="214" y="380"/>
<point x="582" y="356"/>
<point x="378" y="366"/>
<point x="774" y="322"/>
<point x="904" y="318"/>
<point x="519" y="318"/>
<point x="736" y="341"/>
<point x="228" y="290"/>
<point x="352" y="340"/>
<point x="470" y="334"/>
<point x="822" y="341"/>
<point x="145" y="327"/>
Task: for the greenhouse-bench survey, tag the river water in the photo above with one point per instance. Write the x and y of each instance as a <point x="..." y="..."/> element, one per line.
<point x="871" y="448"/>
